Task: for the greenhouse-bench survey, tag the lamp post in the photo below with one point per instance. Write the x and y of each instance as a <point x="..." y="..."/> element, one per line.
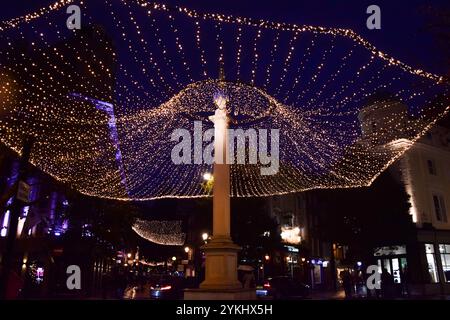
<point x="189" y="252"/>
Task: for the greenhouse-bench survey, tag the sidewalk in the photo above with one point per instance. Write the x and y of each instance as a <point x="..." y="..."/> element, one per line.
<point x="340" y="295"/>
<point x="328" y="295"/>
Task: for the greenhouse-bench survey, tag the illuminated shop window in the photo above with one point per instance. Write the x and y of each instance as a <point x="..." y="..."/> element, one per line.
<point x="4" y="230"/>
<point x="431" y="262"/>
<point x="444" y="250"/>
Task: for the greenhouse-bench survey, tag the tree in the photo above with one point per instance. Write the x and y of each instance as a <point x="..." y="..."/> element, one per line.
<point x="363" y="218"/>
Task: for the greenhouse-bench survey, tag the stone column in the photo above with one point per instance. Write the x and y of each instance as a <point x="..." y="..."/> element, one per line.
<point x="221" y="252"/>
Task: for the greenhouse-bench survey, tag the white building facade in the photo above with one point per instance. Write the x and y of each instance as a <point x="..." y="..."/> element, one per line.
<point x="423" y="260"/>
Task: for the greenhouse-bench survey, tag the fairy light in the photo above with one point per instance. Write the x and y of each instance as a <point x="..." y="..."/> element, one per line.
<point x="220" y="44"/>
<point x="180" y="47"/>
<point x="134" y="53"/>
<point x="304" y="61"/>
<point x="273" y="52"/>
<point x="238" y="53"/>
<point x="255" y="57"/>
<point x="321" y="144"/>
<point x="319" y="69"/>
<point x="285" y="69"/>
<point x="199" y="47"/>
<point x="166" y="233"/>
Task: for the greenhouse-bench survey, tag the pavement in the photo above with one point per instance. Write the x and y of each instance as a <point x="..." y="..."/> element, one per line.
<point x="328" y="295"/>
<point x="133" y="293"/>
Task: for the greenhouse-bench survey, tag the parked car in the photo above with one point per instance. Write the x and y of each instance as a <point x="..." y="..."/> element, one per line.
<point x="283" y="287"/>
<point x="166" y="287"/>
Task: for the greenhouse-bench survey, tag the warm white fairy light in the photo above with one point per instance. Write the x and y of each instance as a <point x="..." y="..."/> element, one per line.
<point x="180" y="48"/>
<point x="318" y="70"/>
<point x="321" y="144"/>
<point x="273" y="52"/>
<point x="238" y="53"/>
<point x="167" y="233"/>
<point x="255" y="57"/>
<point x="287" y="61"/>
<point x="199" y="47"/>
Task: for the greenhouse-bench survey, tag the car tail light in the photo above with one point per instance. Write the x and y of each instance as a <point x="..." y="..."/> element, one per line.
<point x="166" y="288"/>
<point x="266" y="285"/>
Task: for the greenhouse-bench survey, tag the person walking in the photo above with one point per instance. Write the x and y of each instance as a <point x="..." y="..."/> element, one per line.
<point x="249" y="280"/>
<point x="347" y="283"/>
<point x="387" y="284"/>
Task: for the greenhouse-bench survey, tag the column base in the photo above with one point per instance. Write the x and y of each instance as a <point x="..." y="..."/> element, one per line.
<point x="221" y="265"/>
<point x="212" y="294"/>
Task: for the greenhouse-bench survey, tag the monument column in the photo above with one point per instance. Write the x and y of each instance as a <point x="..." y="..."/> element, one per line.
<point x="221" y="252"/>
<point x="221" y="281"/>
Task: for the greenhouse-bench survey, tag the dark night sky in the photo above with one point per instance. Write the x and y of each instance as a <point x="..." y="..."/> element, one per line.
<point x="402" y="34"/>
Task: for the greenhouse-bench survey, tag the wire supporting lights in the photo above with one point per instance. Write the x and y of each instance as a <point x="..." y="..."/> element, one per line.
<point x="103" y="101"/>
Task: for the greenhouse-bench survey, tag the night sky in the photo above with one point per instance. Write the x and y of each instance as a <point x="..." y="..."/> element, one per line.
<point x="402" y="35"/>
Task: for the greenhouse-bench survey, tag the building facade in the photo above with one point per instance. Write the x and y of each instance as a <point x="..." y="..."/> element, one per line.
<point x="421" y="262"/>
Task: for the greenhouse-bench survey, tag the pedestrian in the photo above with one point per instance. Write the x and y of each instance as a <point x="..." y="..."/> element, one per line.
<point x="249" y="280"/>
<point x="387" y="284"/>
<point x="347" y="283"/>
<point x="404" y="276"/>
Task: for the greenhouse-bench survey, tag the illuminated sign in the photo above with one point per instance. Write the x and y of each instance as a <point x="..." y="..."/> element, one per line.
<point x="291" y="248"/>
<point x="291" y="235"/>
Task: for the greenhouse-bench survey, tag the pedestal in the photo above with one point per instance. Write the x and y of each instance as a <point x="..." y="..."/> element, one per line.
<point x="221" y="264"/>
<point x="221" y="282"/>
<point x="212" y="294"/>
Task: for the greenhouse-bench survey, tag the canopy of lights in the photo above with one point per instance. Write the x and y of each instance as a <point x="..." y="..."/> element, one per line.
<point x="168" y="233"/>
<point x="102" y="102"/>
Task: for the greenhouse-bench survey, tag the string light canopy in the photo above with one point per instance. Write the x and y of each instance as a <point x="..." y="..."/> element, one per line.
<point x="167" y="233"/>
<point x="102" y="102"/>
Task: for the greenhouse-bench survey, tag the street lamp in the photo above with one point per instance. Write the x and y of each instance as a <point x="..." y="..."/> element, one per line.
<point x="174" y="258"/>
<point x="207" y="176"/>
<point x="267" y="257"/>
<point x="187" y="249"/>
<point x="205" y="236"/>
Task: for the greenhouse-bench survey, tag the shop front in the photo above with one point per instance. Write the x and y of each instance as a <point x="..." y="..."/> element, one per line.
<point x="393" y="259"/>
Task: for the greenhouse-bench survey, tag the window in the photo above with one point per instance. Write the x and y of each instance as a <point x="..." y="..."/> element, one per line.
<point x="431" y="167"/>
<point x="4" y="230"/>
<point x="431" y="262"/>
<point x="439" y="208"/>
<point x="444" y="250"/>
